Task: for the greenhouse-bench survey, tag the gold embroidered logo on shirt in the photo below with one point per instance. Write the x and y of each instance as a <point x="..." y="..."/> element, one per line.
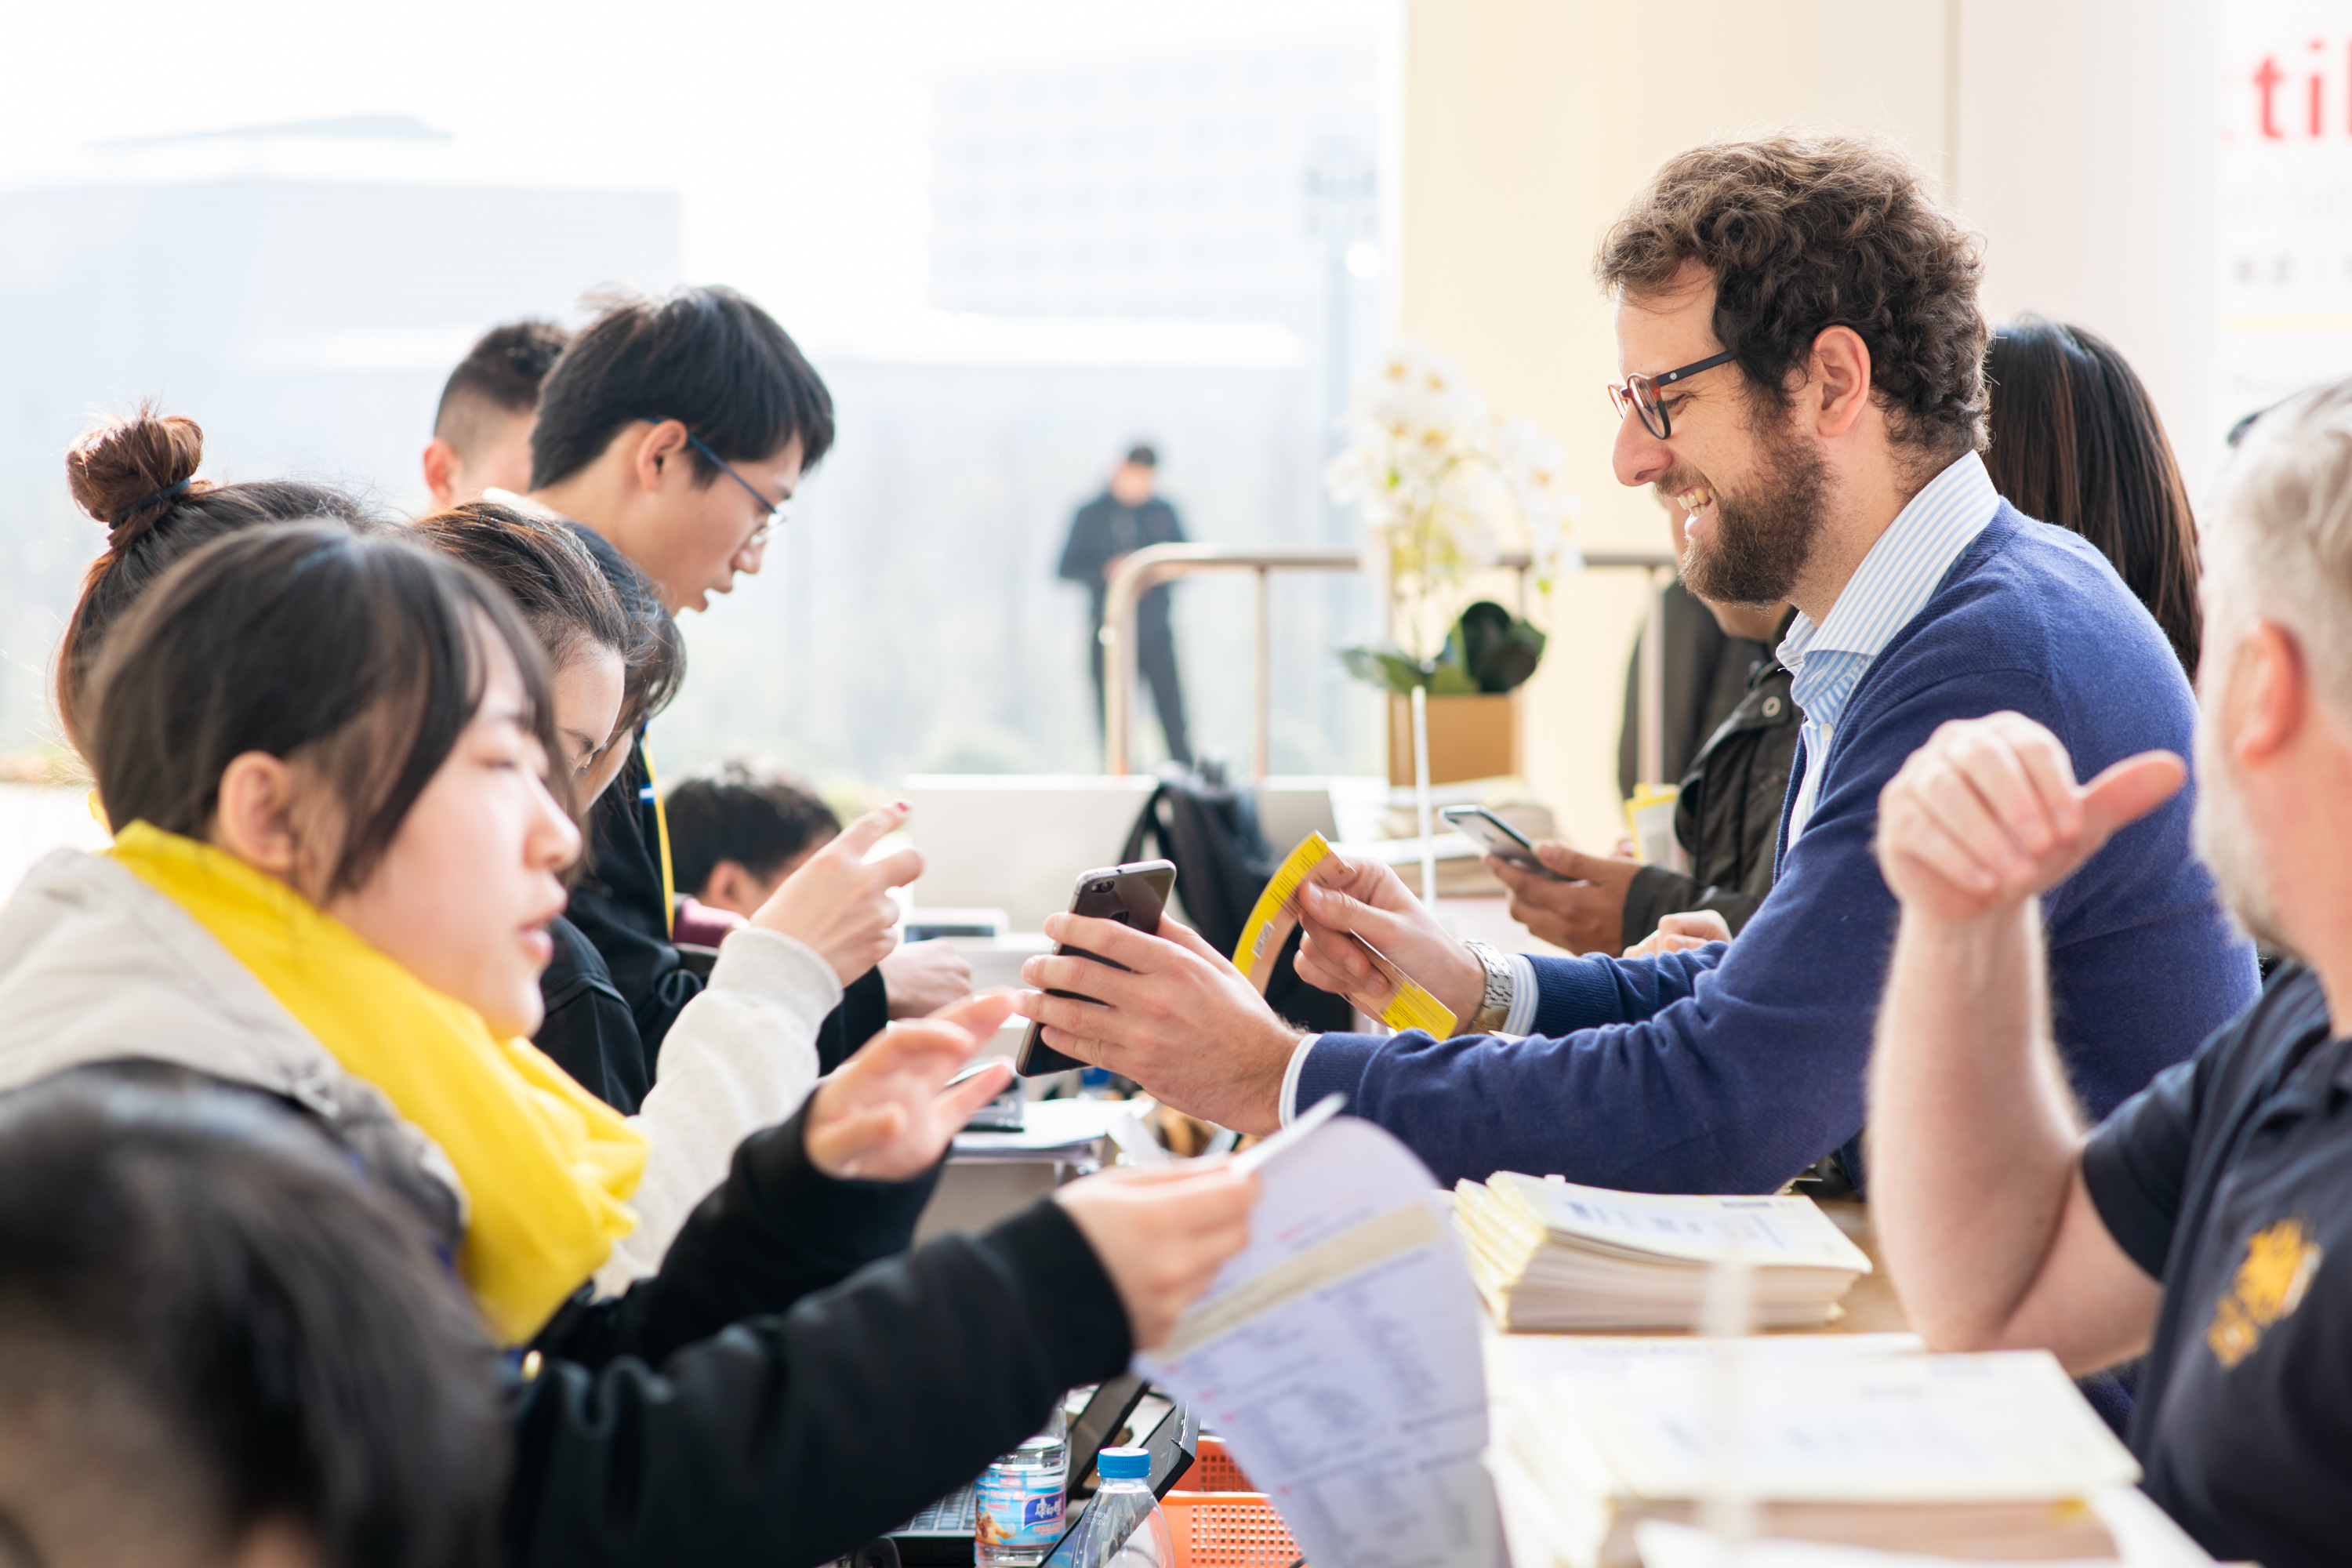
<point x="2271" y="1283"/>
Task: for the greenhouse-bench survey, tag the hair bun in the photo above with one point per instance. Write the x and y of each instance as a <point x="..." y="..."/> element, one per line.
<point x="128" y="473"/>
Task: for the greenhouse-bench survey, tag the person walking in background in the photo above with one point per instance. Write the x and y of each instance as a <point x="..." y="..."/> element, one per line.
<point x="481" y="432"/>
<point x="1109" y="529"/>
<point x="2076" y="440"/>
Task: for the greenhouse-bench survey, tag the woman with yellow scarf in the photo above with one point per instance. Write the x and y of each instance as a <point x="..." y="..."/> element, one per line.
<point x="338" y="840"/>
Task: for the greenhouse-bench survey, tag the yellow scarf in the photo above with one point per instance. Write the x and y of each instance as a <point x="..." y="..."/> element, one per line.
<point x="546" y="1164"/>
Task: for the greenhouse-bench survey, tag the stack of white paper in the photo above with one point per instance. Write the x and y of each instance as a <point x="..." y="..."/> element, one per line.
<point x="1547" y="1254"/>
<point x="1861" y="1440"/>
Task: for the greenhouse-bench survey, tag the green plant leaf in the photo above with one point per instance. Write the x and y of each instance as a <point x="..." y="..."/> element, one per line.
<point x="1509" y="662"/>
<point x="1498" y="650"/>
<point x="1390" y="668"/>
<point x="1453" y="681"/>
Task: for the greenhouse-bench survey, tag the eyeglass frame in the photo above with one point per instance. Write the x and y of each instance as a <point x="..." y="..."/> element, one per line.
<point x="1621" y="397"/>
<point x="774" y="510"/>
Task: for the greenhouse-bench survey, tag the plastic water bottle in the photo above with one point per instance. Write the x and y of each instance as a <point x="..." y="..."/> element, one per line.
<point x="1123" y="1527"/>
<point x="1021" y="1499"/>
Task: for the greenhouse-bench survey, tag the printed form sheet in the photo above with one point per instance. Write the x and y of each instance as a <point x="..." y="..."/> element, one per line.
<point x="1338" y="1356"/>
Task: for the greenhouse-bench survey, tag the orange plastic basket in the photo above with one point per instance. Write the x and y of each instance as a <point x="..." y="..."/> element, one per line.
<point x="1219" y="1522"/>
<point x="1227" y="1530"/>
<point x="1213" y="1470"/>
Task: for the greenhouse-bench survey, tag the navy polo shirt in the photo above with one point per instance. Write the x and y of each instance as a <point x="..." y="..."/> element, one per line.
<point x="2229" y="1179"/>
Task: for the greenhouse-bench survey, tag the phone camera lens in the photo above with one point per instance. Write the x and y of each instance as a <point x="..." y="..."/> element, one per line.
<point x="1099" y="888"/>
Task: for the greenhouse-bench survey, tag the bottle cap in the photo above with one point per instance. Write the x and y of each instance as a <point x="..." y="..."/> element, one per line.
<point x="1124" y="1464"/>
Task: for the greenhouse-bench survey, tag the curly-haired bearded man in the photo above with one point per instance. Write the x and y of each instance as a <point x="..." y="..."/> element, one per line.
<point x="1800" y="365"/>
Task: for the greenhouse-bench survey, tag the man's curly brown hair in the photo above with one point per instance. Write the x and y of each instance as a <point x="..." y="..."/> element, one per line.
<point x="1803" y="235"/>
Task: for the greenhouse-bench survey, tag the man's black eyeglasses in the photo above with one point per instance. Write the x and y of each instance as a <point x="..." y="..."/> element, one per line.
<point x="1640" y="393"/>
<point x="773" y="509"/>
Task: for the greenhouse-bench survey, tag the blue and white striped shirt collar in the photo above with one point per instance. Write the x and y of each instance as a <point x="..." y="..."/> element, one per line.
<point x="1901" y="572"/>
<point x="1826" y="660"/>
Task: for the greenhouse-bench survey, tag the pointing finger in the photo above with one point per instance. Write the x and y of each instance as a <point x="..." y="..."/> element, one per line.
<point x="871" y="829"/>
<point x="895" y="870"/>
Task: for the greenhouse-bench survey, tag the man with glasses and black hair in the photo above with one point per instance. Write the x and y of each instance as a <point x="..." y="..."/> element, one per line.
<point x="1800" y="370"/>
<point x="676" y="428"/>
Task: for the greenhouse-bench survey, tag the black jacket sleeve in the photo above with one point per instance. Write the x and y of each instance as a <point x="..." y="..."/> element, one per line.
<point x="1656" y="891"/>
<point x="589" y="1031"/>
<point x="864" y="1013"/>
<point x="618" y="908"/>
<point x="776" y="1230"/>
<point x="793" y="1438"/>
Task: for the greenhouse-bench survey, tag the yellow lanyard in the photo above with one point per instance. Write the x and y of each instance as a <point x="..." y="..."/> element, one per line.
<point x="661" y="837"/>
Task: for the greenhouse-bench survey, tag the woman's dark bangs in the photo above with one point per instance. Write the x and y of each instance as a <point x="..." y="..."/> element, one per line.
<point x="432" y="614"/>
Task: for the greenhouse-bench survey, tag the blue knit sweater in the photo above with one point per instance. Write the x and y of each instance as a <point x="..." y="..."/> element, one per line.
<point x="1732" y="1069"/>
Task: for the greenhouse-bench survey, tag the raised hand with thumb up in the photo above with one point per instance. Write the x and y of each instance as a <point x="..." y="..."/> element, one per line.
<point x="1988" y="814"/>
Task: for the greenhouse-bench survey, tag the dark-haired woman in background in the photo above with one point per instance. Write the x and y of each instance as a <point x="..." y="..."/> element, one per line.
<point x="2076" y="441"/>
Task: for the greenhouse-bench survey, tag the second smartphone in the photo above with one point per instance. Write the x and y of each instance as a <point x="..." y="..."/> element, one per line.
<point x="1133" y="895"/>
<point x="1497" y="838"/>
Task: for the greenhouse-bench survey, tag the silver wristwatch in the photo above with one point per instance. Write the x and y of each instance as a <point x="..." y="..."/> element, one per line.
<point x="1494" y="1006"/>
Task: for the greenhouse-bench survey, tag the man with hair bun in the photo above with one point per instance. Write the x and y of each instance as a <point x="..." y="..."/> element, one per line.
<point x="481" y="432"/>
<point x="1799" y="370"/>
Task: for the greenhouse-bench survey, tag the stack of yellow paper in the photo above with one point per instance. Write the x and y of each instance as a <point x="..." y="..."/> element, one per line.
<point x="1547" y="1254"/>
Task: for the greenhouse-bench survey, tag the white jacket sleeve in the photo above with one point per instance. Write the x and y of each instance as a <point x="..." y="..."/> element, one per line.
<point x="740" y="1057"/>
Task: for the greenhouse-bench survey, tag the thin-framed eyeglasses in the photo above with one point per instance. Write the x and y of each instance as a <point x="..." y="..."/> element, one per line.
<point x="1640" y="393"/>
<point x="772" y="511"/>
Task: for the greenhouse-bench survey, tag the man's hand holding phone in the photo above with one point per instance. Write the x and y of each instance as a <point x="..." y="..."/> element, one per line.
<point x="1132" y="895"/>
<point x="1176" y="1017"/>
<point x="1576" y="903"/>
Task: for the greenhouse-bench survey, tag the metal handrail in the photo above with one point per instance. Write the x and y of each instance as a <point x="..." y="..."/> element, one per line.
<point x="1154" y="564"/>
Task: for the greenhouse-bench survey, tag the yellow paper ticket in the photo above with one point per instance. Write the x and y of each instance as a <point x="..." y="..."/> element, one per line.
<point x="1277" y="915"/>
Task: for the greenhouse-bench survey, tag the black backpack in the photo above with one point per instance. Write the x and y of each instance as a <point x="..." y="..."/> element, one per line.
<point x="1210" y="829"/>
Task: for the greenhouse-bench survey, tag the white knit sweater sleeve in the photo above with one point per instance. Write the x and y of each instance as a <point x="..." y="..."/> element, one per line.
<point x="740" y="1057"/>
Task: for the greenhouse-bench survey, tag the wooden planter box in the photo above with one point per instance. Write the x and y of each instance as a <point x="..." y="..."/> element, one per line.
<point x="1469" y="737"/>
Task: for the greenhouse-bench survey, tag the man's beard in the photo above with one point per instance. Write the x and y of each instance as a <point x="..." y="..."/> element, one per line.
<point x="2226" y="841"/>
<point x="1763" y="538"/>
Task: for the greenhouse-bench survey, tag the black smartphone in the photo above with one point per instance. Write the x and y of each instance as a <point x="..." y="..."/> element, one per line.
<point x="1131" y="895"/>
<point x="1497" y="838"/>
